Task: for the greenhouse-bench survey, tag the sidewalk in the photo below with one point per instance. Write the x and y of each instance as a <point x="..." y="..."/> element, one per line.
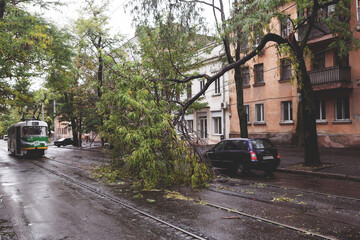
<point x="339" y="163"/>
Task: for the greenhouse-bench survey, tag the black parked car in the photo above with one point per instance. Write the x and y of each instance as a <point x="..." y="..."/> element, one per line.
<point x="244" y="154"/>
<point x="64" y="142"/>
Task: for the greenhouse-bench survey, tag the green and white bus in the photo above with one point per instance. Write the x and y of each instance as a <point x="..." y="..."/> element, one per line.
<point x="28" y="137"/>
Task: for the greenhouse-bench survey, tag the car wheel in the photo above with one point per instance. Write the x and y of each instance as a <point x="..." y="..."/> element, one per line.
<point x="241" y="170"/>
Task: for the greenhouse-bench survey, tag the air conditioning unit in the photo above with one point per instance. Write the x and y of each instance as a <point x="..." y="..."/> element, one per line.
<point x="223" y="105"/>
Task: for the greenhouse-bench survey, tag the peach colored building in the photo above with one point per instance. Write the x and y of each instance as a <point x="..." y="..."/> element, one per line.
<point x="271" y="98"/>
<point x="63" y="129"/>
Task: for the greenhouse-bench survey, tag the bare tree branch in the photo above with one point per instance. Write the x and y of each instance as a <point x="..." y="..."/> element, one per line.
<point x="270" y="37"/>
<point x="203" y="2"/>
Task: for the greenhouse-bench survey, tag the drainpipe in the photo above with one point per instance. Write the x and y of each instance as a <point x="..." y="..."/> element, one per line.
<point x="357" y="15"/>
<point x="223" y="109"/>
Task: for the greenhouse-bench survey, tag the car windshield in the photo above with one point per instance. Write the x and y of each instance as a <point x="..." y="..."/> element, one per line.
<point x="262" y="144"/>
<point x="34" y="131"/>
<point x="61" y="139"/>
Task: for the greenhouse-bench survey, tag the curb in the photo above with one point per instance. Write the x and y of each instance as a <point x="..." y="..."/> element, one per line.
<point x="321" y="174"/>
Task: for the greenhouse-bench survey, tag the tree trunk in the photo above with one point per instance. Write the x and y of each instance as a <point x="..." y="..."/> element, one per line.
<point x="298" y="138"/>
<point x="100" y="69"/>
<point x="311" y="147"/>
<point x="75" y="132"/>
<point x="240" y="102"/>
<point x="2" y="8"/>
<point x="80" y="133"/>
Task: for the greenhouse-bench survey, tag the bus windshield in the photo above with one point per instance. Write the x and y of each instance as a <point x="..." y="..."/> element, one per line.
<point x="34" y="131"/>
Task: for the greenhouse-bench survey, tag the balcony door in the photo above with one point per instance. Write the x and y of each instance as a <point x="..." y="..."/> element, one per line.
<point x="203" y="127"/>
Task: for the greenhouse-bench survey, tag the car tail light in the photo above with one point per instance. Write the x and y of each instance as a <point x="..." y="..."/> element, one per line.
<point x="253" y="156"/>
<point x="278" y="156"/>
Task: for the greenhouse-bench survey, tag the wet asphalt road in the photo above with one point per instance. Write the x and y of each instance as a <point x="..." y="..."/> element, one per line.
<point x="42" y="205"/>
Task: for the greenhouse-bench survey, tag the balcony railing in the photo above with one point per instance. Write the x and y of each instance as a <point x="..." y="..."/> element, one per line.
<point x="319" y="30"/>
<point x="334" y="74"/>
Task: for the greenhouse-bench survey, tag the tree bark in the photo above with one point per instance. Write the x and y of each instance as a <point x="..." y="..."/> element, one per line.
<point x="2" y="8"/>
<point x="240" y="102"/>
<point x="312" y="156"/>
<point x="75" y="132"/>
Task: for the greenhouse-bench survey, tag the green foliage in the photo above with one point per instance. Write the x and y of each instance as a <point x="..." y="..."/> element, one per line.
<point x="30" y="49"/>
<point x="144" y="141"/>
<point x="25" y="43"/>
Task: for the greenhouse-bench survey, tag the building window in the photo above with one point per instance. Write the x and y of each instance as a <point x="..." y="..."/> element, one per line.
<point x="342" y="109"/>
<point x="217" y="86"/>
<point x="326" y="12"/>
<point x="217" y="125"/>
<point x="286" y="111"/>
<point x="331" y="9"/>
<point x="259" y="73"/>
<point x="245" y="75"/>
<point x="319" y="61"/>
<point x="257" y="40"/>
<point x="202" y="85"/>
<point x="358" y="11"/>
<point x="320" y="110"/>
<point x="341" y="61"/>
<point x="190" y="125"/>
<point x="247" y="110"/>
<point x="286" y="28"/>
<point x="188" y="92"/>
<point x="203" y="127"/>
<point x="244" y="42"/>
<point x="259" y="112"/>
<point x="285" y="69"/>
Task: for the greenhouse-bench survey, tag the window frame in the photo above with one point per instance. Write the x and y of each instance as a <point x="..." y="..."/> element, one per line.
<point x="245" y="75"/>
<point x="217" y="125"/>
<point x="345" y="108"/>
<point x="258" y="39"/>
<point x="217" y="86"/>
<point x="203" y="128"/>
<point x="319" y="58"/>
<point x="189" y="91"/>
<point x="285" y="67"/>
<point x="285" y="28"/>
<point x="320" y="108"/>
<point x="190" y="125"/>
<point x="247" y="110"/>
<point x="287" y="112"/>
<point x="262" y="113"/>
<point x="202" y="85"/>
<point x="259" y="73"/>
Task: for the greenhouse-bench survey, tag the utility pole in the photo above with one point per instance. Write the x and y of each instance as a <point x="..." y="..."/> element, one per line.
<point x="54" y="120"/>
<point x="42" y="111"/>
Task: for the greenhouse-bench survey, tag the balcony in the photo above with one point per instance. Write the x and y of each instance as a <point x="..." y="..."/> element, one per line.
<point x="320" y="31"/>
<point x="331" y="78"/>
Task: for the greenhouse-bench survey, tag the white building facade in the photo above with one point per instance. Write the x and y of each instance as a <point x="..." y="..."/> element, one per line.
<point x="211" y="124"/>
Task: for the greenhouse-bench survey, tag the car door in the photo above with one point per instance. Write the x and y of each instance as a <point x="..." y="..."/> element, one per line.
<point x="236" y="152"/>
<point x="243" y="154"/>
<point x="215" y="154"/>
<point x="229" y="154"/>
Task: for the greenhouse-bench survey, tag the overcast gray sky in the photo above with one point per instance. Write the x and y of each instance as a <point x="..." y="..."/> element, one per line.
<point x="119" y="21"/>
